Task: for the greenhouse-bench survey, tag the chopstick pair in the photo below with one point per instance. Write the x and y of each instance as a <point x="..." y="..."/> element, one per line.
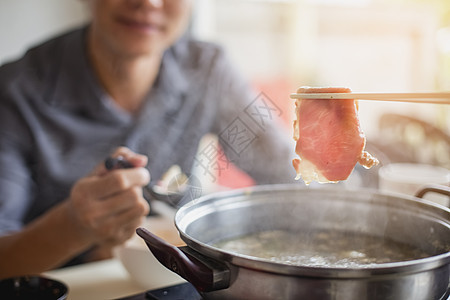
<point x="434" y="98"/>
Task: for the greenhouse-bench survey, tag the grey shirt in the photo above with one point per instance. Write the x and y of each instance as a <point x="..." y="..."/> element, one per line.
<point x="57" y="123"/>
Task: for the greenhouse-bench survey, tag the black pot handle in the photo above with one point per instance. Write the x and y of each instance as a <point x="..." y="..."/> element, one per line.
<point x="435" y="188"/>
<point x="203" y="273"/>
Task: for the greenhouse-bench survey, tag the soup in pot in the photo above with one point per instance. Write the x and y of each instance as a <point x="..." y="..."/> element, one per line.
<point x="321" y="249"/>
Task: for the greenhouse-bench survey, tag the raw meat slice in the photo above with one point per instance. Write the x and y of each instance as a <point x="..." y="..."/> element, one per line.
<point x="329" y="138"/>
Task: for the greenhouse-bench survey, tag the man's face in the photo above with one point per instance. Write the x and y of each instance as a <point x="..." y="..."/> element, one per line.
<point x="138" y="27"/>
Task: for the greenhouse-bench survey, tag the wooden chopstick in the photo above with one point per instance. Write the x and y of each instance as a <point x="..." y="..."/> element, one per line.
<point x="435" y="98"/>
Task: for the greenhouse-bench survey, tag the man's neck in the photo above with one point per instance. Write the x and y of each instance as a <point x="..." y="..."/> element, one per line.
<point x="127" y="80"/>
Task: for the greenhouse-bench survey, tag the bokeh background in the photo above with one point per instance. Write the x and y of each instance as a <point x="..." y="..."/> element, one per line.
<point x="367" y="45"/>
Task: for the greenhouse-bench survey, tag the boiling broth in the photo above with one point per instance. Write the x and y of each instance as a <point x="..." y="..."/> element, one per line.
<point x="321" y="249"/>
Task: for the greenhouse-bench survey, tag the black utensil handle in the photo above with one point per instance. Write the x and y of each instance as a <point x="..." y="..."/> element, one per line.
<point x="113" y="163"/>
<point x="197" y="272"/>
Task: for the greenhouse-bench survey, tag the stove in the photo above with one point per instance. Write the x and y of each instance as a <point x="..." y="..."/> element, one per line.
<point x="175" y="292"/>
<point x="186" y="291"/>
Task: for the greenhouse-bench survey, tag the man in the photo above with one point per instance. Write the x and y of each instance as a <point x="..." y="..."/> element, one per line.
<point x="130" y="82"/>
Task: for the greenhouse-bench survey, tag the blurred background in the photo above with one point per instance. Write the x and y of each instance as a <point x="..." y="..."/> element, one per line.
<point x="279" y="45"/>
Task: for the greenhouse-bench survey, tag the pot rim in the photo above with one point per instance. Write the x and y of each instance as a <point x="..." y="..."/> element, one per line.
<point x="240" y="260"/>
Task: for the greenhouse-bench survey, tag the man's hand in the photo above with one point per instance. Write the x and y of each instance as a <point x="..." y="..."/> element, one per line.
<point x="108" y="206"/>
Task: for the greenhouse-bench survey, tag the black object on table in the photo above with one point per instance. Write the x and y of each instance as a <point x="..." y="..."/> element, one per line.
<point x="183" y="291"/>
<point x="32" y="287"/>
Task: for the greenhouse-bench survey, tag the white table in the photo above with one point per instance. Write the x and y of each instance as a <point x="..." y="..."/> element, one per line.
<point x="108" y="279"/>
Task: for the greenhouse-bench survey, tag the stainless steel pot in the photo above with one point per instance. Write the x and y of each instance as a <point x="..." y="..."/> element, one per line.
<point x="219" y="274"/>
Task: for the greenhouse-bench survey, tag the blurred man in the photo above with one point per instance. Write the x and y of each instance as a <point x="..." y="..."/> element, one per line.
<point x="130" y="82"/>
